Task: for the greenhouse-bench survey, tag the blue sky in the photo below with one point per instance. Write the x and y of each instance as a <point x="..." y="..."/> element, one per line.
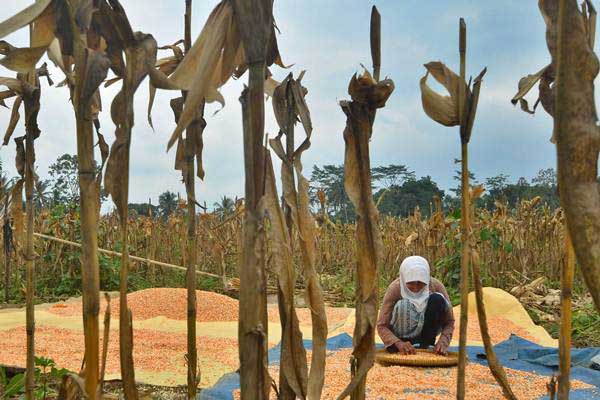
<point x="329" y="39"/>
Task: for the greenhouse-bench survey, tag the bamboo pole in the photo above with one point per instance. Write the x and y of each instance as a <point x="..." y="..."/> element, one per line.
<point x="465" y="223"/>
<point x="564" y="341"/>
<point x="192" y="133"/>
<point x="32" y="101"/>
<point x="118" y="254"/>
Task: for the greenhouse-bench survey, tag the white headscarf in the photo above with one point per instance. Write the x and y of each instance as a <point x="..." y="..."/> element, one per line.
<point x="415" y="268"/>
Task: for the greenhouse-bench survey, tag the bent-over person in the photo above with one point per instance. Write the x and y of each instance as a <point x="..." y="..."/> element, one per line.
<point x="415" y="310"/>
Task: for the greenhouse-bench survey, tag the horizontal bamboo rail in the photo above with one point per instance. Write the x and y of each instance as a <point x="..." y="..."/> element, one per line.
<point x="117" y="254"/>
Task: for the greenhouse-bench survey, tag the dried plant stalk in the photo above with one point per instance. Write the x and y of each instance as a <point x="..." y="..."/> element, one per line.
<point x="252" y="330"/>
<point x="288" y="105"/>
<point x="564" y="342"/>
<point x="576" y="132"/>
<point x="464" y="222"/>
<point x="494" y="364"/>
<point x="82" y="91"/>
<point x="31" y="98"/>
<point x="192" y="141"/>
<point x="293" y="354"/>
<point x="367" y="95"/>
<point x="254" y="21"/>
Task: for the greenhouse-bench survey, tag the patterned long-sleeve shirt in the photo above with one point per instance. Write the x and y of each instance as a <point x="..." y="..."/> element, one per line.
<point x="391" y="297"/>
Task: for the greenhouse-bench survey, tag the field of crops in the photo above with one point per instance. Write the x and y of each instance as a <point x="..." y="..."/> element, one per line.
<point x="515" y="247"/>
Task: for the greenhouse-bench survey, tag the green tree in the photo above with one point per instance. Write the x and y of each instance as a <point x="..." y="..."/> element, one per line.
<point x="392" y="175"/>
<point x="143" y="209"/>
<point x="167" y="203"/>
<point x="64" y="179"/>
<point x="402" y="200"/>
<point x="42" y="196"/>
<point x="330" y="179"/>
<point x="225" y="207"/>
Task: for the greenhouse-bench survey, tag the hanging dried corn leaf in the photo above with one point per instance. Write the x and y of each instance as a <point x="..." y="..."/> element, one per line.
<point x="293" y="354"/>
<point x="367" y="95"/>
<point x="525" y="85"/>
<point x="24" y="17"/>
<point x="471" y="107"/>
<point x="20" y="59"/>
<point x="14" y="119"/>
<point x="6" y="94"/>
<point x="196" y="70"/>
<point x="167" y="66"/>
<point x="443" y="109"/>
<point x="546" y="76"/>
<point x="13" y="84"/>
<point x="140" y="60"/>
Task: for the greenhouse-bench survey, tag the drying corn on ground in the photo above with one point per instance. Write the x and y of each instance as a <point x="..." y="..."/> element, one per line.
<point x="408" y="383"/>
<point x="160" y="339"/>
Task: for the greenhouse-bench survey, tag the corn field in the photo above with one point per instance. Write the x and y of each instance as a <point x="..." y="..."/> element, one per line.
<point x="516" y="246"/>
<point x="278" y="244"/>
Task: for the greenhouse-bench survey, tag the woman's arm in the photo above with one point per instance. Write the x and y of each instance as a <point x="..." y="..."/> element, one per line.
<point x="448" y="329"/>
<point x="391" y="297"/>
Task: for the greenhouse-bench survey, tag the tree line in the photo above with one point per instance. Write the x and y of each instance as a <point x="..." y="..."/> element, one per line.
<point x="397" y="191"/>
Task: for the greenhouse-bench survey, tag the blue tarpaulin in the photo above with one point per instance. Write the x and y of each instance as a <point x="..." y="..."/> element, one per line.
<point x="516" y="353"/>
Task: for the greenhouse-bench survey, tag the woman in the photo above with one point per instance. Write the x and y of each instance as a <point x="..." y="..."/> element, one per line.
<point x="416" y="308"/>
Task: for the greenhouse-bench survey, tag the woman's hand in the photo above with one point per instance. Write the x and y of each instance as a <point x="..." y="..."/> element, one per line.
<point x="441" y="348"/>
<point x="405" y="348"/>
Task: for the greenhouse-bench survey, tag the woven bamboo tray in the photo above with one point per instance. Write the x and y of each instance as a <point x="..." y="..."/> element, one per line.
<point x="423" y="358"/>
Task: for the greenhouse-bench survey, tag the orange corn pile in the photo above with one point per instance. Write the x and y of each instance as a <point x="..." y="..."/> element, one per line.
<point x="413" y="383"/>
<point x="168" y="302"/>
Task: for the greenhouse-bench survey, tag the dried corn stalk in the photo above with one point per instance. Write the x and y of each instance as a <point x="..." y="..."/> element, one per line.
<point x="293" y="355"/>
<point x="27" y="89"/>
<point x="288" y="105"/>
<point x="570" y="38"/>
<point x="459" y="108"/>
<point x="86" y="63"/>
<point x="140" y="56"/>
<point x="254" y="21"/>
<point x="367" y="95"/>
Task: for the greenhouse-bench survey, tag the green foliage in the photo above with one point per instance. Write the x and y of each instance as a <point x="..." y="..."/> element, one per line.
<point x="46" y="380"/>
<point x="167" y="203"/>
<point x="143" y="209"/>
<point x="225" y="207"/>
<point x="402" y="200"/>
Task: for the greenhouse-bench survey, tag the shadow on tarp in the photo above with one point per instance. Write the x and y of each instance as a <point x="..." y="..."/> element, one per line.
<point x="516" y="353"/>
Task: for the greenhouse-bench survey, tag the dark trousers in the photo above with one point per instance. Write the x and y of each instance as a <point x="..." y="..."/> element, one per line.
<point x="435" y="316"/>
